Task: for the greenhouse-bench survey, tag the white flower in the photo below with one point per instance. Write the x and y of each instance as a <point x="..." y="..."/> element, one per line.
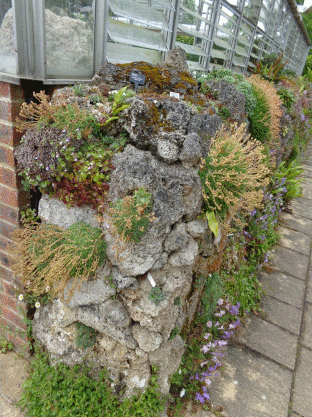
<point x="37" y="305"/>
<point x="20" y="297"/>
<point x="48" y="288"/>
<point x="182" y="393"/>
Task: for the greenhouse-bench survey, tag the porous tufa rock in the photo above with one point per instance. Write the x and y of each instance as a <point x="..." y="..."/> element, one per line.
<point x="176" y="58"/>
<point x="54" y="211"/>
<point x="147" y="340"/>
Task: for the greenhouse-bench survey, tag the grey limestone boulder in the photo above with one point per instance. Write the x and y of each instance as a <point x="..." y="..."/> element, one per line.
<point x="230" y="98"/>
<point x="206" y="126"/>
<point x="110" y="318"/>
<point x="147" y="340"/>
<point x="54" y="211"/>
<point x="168" y="358"/>
<point x="176" y="58"/>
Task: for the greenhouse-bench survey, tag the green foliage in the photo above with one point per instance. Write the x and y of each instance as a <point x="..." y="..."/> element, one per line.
<point x="243" y="286"/>
<point x="308" y="64"/>
<point x="61" y="391"/>
<point x="5" y="345"/>
<point x="156" y="295"/>
<point x="131" y="215"/>
<point x="213" y="290"/>
<point x="189" y="40"/>
<point x="259" y="118"/>
<point x="290" y="172"/>
<point x="270" y="68"/>
<point x="118" y="105"/>
<point x="224" y="112"/>
<point x="78" y="90"/>
<point x="287" y="96"/>
<point x="77" y="122"/>
<point x="28" y="216"/>
<point x="85" y="335"/>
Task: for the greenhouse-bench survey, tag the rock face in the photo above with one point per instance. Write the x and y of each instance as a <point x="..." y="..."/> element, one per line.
<point x="143" y="295"/>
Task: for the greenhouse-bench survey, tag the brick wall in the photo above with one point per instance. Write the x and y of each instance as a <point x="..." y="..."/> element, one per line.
<point x="11" y="200"/>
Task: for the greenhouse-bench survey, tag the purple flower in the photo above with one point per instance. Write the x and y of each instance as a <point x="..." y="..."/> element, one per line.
<point x="199" y="398"/>
<point x="247" y="234"/>
<point x="209" y="324"/>
<point x="266" y="259"/>
<point x="227" y="335"/>
<point x="234" y="310"/>
<point x="302" y="117"/>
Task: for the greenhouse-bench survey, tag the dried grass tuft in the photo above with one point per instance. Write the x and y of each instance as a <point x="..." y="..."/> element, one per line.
<point x="48" y="257"/>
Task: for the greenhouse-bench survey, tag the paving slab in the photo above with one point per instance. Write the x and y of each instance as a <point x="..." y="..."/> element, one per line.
<point x="283" y="287"/>
<point x="251" y="386"/>
<point x="304" y="200"/>
<point x="269" y="340"/>
<point x="306" y="337"/>
<point x="295" y="222"/>
<point x="8" y="410"/>
<point x="302" y="398"/>
<point x="13" y="372"/>
<point x="294" y="240"/>
<point x="301" y="209"/>
<point x="290" y="262"/>
<point x="306" y="190"/>
<point x="283" y="315"/>
<point x="309" y="288"/>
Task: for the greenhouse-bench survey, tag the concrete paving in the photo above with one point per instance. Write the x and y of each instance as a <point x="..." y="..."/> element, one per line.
<point x="268" y="367"/>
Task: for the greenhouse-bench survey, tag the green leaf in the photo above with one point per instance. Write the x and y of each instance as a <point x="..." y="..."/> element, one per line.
<point x="212" y="223"/>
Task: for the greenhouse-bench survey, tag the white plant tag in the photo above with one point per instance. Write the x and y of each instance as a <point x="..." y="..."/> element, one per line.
<point x="151" y="280"/>
<point x="175" y="95"/>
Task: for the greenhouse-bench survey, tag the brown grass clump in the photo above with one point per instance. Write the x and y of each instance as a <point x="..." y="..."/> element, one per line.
<point x="46" y="257"/>
<point x="274" y="103"/>
<point x="233" y="175"/>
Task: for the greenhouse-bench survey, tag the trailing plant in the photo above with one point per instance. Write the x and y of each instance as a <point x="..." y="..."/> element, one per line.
<point x="82" y="176"/>
<point x="132" y="216"/>
<point x="28" y="216"/>
<point x="156" y="295"/>
<point x="45" y="256"/>
<point x="233" y="175"/>
<point x="61" y="391"/>
<point x="85" y="335"/>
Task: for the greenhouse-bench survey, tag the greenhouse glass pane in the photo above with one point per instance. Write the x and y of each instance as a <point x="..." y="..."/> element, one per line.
<point x="69" y="29"/>
<point x="8" y="54"/>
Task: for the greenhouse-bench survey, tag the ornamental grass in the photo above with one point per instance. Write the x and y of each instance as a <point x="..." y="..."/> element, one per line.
<point x="46" y="256"/>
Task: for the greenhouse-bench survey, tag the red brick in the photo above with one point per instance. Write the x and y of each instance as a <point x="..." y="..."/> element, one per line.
<point x="8" y="177"/>
<point x="9" y="110"/>
<point x="4" y="244"/>
<point x="13" y="317"/>
<point x="5" y="259"/>
<point x="9" y="214"/>
<point x="18" y="342"/>
<point x="5" y="90"/>
<point x="9" y="135"/>
<point x="6" y="274"/>
<point x="6" y="229"/>
<point x="8" y="288"/>
<point x="16" y="92"/>
<point x="7" y="156"/>
<point x="8" y="301"/>
<point x="9" y="196"/>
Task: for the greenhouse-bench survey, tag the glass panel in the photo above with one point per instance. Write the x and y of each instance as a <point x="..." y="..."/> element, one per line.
<point x="8" y="54"/>
<point x="69" y="38"/>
